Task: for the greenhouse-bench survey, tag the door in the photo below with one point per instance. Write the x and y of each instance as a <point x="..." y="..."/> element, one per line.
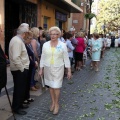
<point x="11" y="21"/>
<point x="60" y="25"/>
<point x="15" y="14"/>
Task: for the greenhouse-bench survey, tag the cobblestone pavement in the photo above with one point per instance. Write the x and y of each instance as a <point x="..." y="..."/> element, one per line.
<point x="89" y="95"/>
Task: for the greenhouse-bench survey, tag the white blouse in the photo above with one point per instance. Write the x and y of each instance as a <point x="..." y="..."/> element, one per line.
<point x="60" y="55"/>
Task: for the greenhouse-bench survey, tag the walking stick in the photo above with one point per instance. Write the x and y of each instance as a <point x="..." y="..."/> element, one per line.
<point x="10" y="102"/>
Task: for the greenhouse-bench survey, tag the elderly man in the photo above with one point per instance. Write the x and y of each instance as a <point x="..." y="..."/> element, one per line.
<point x="19" y="65"/>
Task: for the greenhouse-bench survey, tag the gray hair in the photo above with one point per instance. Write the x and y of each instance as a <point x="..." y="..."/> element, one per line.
<point x="22" y="30"/>
<point x="55" y="28"/>
<point x="25" y="25"/>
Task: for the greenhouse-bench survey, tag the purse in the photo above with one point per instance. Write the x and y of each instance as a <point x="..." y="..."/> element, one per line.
<point x="37" y="77"/>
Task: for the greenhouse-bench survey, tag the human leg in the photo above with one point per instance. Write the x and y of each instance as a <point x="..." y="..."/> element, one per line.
<point x="57" y="96"/>
<point x="52" y="94"/>
<point x="19" y="79"/>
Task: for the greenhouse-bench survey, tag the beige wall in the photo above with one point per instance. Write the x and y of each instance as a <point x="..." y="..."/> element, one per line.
<point x="2" y="23"/>
<point x="48" y="10"/>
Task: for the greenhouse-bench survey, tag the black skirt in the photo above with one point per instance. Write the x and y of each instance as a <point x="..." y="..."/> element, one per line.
<point x="78" y="56"/>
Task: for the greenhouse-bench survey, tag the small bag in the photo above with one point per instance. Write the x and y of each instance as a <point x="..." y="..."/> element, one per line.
<point x="43" y="83"/>
<point x="37" y="77"/>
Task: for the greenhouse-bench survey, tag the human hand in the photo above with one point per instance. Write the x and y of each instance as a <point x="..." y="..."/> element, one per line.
<point x="36" y="64"/>
<point x="41" y="72"/>
<point x="69" y="75"/>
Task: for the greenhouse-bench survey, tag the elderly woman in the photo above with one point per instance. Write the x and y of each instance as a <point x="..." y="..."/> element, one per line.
<point x="35" y="44"/>
<point x="79" y="50"/>
<point x="32" y="66"/>
<point x="96" y="51"/>
<point x="53" y="59"/>
<point x="36" y="49"/>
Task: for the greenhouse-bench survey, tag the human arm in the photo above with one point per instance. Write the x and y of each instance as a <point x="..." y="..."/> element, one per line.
<point x="42" y="61"/>
<point x="16" y="51"/>
<point x="67" y="62"/>
<point x="34" y="46"/>
<point x="70" y="46"/>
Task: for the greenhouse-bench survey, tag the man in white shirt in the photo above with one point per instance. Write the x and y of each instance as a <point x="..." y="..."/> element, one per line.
<point x="19" y="65"/>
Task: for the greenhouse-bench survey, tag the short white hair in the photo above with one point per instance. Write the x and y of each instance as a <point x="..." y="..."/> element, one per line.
<point x="55" y="28"/>
<point x="72" y="29"/>
<point x="22" y="30"/>
<point x="25" y="25"/>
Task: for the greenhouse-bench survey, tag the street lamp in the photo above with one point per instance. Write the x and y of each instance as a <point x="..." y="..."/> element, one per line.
<point x="90" y="2"/>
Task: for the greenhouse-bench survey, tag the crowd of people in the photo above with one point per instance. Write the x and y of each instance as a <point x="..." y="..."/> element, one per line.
<point x="56" y="53"/>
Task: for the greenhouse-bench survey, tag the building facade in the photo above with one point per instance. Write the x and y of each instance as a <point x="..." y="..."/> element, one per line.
<point x="44" y="13"/>
<point x="78" y="19"/>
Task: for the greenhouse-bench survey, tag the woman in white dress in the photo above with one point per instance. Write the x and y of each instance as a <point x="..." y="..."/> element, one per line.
<point x="116" y="43"/>
<point x="53" y="60"/>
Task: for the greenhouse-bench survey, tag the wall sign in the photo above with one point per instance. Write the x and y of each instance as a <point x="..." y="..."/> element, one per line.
<point x="75" y="21"/>
<point x="60" y="16"/>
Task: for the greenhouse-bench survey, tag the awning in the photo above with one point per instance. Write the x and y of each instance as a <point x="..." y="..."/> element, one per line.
<point x="67" y="5"/>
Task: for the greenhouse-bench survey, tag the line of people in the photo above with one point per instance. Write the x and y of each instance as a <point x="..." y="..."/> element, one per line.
<point x="54" y="52"/>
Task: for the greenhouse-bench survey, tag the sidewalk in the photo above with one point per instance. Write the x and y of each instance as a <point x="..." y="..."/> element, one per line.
<point x="5" y="110"/>
<point x="89" y="95"/>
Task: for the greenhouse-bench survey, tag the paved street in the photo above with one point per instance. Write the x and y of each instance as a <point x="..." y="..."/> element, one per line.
<point x="89" y="95"/>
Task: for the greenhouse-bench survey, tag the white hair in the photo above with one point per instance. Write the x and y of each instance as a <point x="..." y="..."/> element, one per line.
<point x="25" y="25"/>
<point x="22" y="30"/>
<point x="72" y="29"/>
<point x="55" y="28"/>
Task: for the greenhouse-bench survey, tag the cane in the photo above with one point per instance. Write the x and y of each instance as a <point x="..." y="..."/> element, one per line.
<point x="9" y="102"/>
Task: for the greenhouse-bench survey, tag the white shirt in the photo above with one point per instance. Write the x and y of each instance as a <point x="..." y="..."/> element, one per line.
<point x="70" y="47"/>
<point x="108" y="42"/>
<point x="116" y="42"/>
<point x="119" y="40"/>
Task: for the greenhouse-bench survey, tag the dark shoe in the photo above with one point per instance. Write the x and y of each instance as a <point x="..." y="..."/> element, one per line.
<point x="20" y="112"/>
<point x="30" y="100"/>
<point x="24" y="106"/>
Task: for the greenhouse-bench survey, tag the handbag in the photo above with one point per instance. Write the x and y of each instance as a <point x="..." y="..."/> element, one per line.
<point x="37" y="77"/>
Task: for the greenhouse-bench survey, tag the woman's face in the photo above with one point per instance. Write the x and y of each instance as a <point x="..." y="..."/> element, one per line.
<point x="40" y="33"/>
<point x="28" y="40"/>
<point x="54" y="35"/>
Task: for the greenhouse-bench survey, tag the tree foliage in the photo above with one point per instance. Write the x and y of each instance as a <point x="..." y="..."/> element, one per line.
<point x="108" y="15"/>
<point x="90" y="15"/>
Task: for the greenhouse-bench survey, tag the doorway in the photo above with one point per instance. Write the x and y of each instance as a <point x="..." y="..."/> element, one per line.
<point x="15" y="14"/>
<point x="11" y="21"/>
<point x="58" y="24"/>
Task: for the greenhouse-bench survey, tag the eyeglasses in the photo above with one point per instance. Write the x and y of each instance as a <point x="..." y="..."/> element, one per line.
<point x="53" y="34"/>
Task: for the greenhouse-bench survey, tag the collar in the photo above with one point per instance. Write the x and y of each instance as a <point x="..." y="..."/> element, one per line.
<point x="20" y="37"/>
